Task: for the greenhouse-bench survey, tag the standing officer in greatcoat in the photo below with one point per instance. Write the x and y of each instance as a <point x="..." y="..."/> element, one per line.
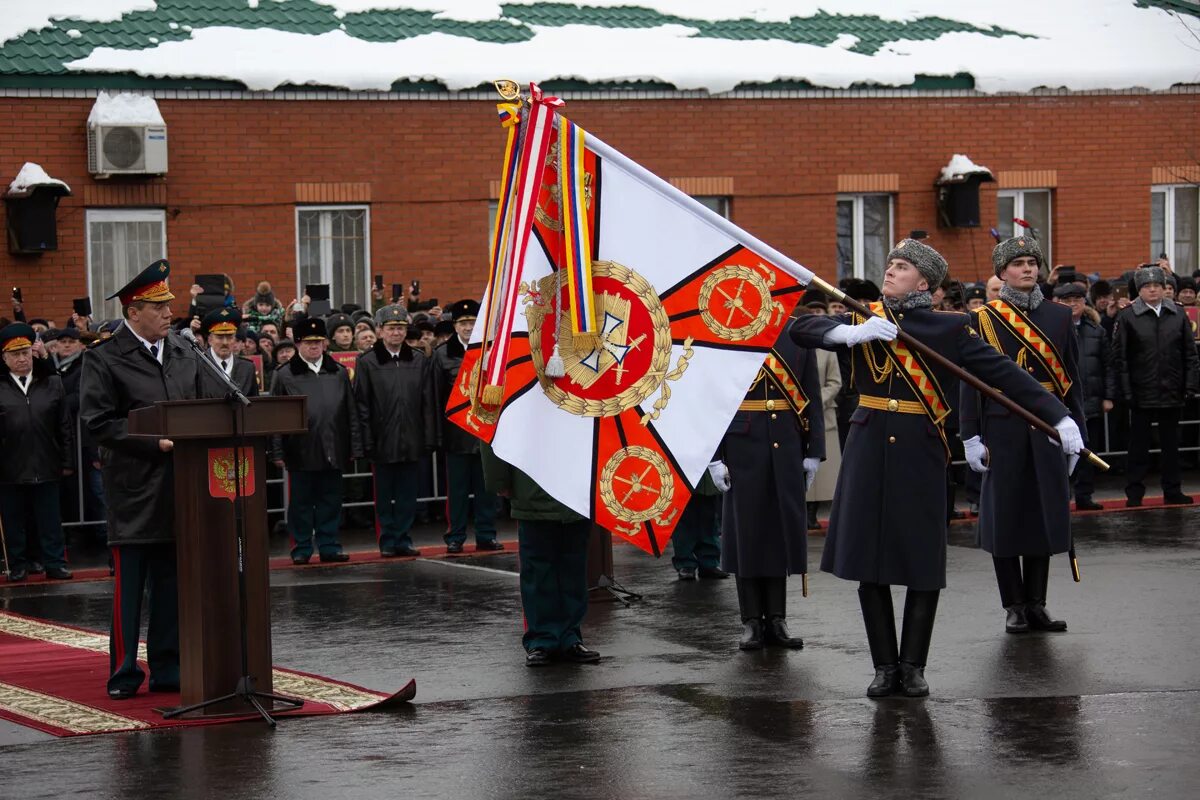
<point x="1024" y="506"/>
<point x="37" y="432"/>
<point x="140" y="365"/>
<point x="393" y="390"/>
<point x="316" y="459"/>
<point x="771" y="451"/>
<point x="464" y="466"/>
<point x="888" y="524"/>
<point x="220" y="329"/>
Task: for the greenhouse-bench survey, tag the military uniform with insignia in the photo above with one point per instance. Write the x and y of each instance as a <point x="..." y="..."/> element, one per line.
<point x="888" y="523"/>
<point x="464" y="468"/>
<point x="315" y="460"/>
<point x="220" y="327"/>
<point x="141" y="364"/>
<point x="1024" y="508"/>
<point x="771" y="449"/>
<point x="696" y="540"/>
<point x="393" y="393"/>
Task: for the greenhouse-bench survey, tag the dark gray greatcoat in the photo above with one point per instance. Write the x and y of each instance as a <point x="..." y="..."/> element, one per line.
<point x="764" y="525"/>
<point x="244" y="375"/>
<point x="333" y="438"/>
<point x="888" y="524"/>
<point x="1025" y="498"/>
<point x="119" y="376"/>
<point x="395" y="404"/>
<point x="447" y="360"/>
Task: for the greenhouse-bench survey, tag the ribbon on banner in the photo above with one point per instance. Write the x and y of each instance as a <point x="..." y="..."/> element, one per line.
<point x="577" y="244"/>
<point x="525" y="160"/>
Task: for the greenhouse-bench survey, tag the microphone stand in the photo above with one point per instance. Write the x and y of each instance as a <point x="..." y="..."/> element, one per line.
<point x="244" y="690"/>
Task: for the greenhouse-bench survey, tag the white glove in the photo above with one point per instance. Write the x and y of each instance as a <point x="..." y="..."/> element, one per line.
<point x="874" y="329"/>
<point x="720" y="475"/>
<point x="1072" y="441"/>
<point x="811" y="465"/>
<point x="977" y="454"/>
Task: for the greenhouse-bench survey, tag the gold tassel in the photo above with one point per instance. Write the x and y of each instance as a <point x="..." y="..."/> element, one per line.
<point x="555" y="367"/>
<point x="493" y="394"/>
<point x="584" y="342"/>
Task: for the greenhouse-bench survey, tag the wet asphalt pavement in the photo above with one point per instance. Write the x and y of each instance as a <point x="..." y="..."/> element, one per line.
<point x="1109" y="709"/>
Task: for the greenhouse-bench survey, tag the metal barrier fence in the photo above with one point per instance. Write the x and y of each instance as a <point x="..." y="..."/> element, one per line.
<point x="438" y="490"/>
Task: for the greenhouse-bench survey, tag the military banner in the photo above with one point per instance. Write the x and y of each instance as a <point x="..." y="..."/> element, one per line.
<point x="686" y="307"/>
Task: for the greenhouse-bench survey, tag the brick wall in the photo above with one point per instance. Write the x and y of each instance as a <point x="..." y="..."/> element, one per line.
<point x="428" y="169"/>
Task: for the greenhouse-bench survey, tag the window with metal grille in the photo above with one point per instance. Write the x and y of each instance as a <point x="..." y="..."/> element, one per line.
<point x="120" y="244"/>
<point x="333" y="246"/>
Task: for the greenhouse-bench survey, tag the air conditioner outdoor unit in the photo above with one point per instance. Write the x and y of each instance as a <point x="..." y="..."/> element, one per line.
<point x="127" y="150"/>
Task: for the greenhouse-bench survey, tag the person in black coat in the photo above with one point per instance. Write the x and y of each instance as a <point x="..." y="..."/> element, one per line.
<point x="37" y="432"/>
<point x="393" y="392"/>
<point x="464" y="465"/>
<point x="141" y="364"/>
<point x="316" y="459"/>
<point x="1025" y="500"/>
<point x="68" y="362"/>
<point x="1154" y="370"/>
<point x="1095" y="356"/>
<point x="888" y="523"/>
<point x="769" y="456"/>
<point x="220" y="329"/>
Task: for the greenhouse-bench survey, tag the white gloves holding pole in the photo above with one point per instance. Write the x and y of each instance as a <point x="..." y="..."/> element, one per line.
<point x="874" y="329"/>
<point x="1072" y="441"/>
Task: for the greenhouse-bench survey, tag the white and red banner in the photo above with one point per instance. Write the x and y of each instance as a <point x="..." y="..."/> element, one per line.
<point x="686" y="307"/>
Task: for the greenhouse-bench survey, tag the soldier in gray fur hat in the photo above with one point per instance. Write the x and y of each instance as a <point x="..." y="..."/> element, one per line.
<point x="1024" y="501"/>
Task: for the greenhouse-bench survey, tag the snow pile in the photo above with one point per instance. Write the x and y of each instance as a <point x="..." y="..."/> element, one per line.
<point x="960" y="168"/>
<point x="1056" y="45"/>
<point x="124" y="109"/>
<point x="31" y="177"/>
<point x="21" y="16"/>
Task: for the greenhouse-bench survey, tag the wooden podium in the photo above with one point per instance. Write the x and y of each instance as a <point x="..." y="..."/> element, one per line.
<point x="205" y="433"/>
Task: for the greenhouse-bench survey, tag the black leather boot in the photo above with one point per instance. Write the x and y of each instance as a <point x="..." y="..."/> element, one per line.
<point x="775" y="605"/>
<point x="920" y="610"/>
<point x="813" y="524"/>
<point x="1037" y="578"/>
<point x="1012" y="593"/>
<point x="750" y="603"/>
<point x="880" y="620"/>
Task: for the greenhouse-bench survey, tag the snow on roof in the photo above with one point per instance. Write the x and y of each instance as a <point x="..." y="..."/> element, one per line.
<point x="21" y="16"/>
<point x="1014" y="46"/>
<point x="960" y="168"/>
<point x="31" y="177"/>
<point x="124" y="109"/>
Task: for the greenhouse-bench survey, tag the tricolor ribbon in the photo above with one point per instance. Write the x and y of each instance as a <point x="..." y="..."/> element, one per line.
<point x="576" y="240"/>
<point x="524" y="162"/>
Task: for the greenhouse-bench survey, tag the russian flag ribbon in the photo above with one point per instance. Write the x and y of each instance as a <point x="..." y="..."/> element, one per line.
<point x="576" y="239"/>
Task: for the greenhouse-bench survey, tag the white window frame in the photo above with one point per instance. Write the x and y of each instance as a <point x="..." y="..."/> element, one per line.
<point x="723" y="203"/>
<point x="1046" y="237"/>
<point x="1168" y="190"/>
<point x="327" y="257"/>
<point x="157" y="215"/>
<point x="858" y="248"/>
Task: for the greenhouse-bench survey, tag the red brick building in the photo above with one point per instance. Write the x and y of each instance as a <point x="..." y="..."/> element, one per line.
<point x="322" y="185"/>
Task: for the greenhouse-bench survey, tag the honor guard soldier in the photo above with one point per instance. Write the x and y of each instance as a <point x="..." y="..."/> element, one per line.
<point x="315" y="460"/>
<point x="464" y="467"/>
<point x="552" y="545"/>
<point x="771" y="451"/>
<point x="888" y="524"/>
<point x="393" y="390"/>
<point x="1025" y="500"/>
<point x="220" y="329"/>
<point x="37" y="431"/>
<point x="140" y="365"/>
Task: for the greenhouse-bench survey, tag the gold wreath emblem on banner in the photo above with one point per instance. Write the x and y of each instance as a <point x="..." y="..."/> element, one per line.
<point x="468" y="380"/>
<point x="730" y="283"/>
<point x="589" y="357"/>
<point x="631" y="472"/>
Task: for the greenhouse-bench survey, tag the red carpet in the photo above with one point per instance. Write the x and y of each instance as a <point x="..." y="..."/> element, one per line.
<point x="52" y="678"/>
<point x="285" y="562"/>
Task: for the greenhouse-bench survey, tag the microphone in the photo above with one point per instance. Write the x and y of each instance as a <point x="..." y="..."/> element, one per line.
<point x="186" y="333"/>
